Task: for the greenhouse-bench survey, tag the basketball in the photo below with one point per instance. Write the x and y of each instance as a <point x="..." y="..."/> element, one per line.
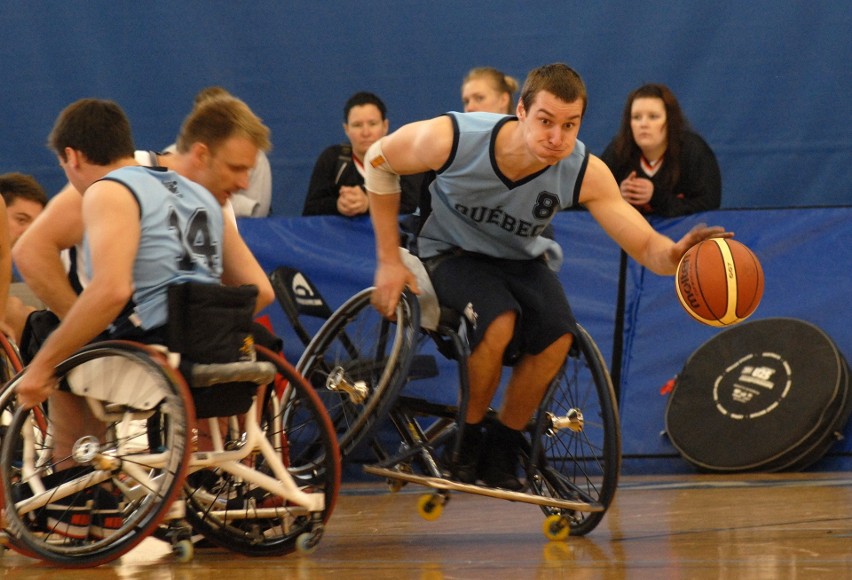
<point x="719" y="282"/>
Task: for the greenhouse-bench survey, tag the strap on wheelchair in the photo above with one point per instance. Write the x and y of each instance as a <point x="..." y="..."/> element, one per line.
<point x="430" y="310"/>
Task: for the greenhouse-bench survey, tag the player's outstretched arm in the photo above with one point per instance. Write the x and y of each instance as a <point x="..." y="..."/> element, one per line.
<point x="630" y="230"/>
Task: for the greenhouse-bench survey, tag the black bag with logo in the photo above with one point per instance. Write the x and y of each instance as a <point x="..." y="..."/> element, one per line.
<point x="768" y="395"/>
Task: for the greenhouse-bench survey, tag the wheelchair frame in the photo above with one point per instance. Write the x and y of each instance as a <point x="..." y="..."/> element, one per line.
<point x="275" y="471"/>
<point x="573" y="444"/>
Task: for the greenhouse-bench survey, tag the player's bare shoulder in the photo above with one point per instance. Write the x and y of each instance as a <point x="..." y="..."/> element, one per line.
<point x="421" y="144"/>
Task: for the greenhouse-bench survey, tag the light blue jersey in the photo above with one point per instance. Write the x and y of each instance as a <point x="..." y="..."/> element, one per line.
<point x="478" y="209"/>
<point x="181" y="238"/>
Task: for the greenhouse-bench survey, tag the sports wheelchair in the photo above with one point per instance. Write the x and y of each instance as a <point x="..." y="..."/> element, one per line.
<point x="260" y="480"/>
<point x="361" y="363"/>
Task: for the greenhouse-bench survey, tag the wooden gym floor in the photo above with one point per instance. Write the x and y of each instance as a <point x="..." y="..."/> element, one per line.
<point x="694" y="526"/>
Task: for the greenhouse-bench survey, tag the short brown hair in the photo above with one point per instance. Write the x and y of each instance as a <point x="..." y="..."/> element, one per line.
<point x="98" y="128"/>
<point x="217" y="119"/>
<point x="15" y="185"/>
<point x="558" y="79"/>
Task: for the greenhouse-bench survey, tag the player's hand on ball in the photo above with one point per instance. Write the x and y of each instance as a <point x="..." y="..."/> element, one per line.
<point x="697" y="234"/>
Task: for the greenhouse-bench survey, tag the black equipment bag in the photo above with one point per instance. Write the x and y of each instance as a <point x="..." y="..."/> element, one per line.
<point x="767" y="395"/>
<point x="210" y="323"/>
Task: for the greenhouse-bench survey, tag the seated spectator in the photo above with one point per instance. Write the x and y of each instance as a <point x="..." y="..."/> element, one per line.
<point x="487" y="89"/>
<point x="5" y="270"/>
<point x="337" y="181"/>
<point x="255" y="199"/>
<point x="662" y="166"/>
<point x="24" y="198"/>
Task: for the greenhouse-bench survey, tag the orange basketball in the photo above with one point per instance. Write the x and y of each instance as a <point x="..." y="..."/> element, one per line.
<point x="719" y="282"/>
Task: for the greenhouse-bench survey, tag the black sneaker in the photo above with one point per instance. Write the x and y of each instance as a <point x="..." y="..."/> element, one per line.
<point x="501" y="457"/>
<point x="107" y="516"/>
<point x="69" y="516"/>
<point x="465" y="469"/>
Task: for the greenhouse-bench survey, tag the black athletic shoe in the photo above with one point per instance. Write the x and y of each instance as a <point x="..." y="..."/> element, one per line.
<point x="501" y="457"/>
<point x="107" y="517"/>
<point x="465" y="469"/>
<point x="70" y="516"/>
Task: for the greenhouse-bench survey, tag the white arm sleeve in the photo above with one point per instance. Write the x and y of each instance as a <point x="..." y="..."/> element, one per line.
<point x="379" y="176"/>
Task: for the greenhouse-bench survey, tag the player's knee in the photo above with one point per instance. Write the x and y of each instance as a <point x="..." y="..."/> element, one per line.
<point x="558" y="349"/>
<point x="563" y="344"/>
<point x="501" y="330"/>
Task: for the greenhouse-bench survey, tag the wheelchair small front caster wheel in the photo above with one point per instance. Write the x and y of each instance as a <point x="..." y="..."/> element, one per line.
<point x="184" y="551"/>
<point x="307" y="543"/>
<point x="556" y="528"/>
<point x="430" y="507"/>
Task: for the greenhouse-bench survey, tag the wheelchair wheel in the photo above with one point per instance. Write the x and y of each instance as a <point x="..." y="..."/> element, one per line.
<point x="242" y="516"/>
<point x="358" y="362"/>
<point x="577" y="438"/>
<point x="10" y="365"/>
<point x="90" y="506"/>
<point x="10" y="359"/>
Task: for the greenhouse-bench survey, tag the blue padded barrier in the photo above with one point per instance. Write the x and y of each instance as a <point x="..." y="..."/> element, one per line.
<point x="805" y="254"/>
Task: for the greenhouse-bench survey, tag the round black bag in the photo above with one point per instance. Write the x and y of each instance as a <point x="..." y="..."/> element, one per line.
<point x="767" y="395"/>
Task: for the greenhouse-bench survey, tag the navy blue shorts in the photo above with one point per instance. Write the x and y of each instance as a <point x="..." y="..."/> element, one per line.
<point x="493" y="286"/>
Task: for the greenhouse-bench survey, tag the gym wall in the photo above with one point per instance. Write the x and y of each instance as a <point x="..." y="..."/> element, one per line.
<point x="765" y="82"/>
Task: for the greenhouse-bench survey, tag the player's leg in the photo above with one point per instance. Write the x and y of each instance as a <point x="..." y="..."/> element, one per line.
<point x="529" y="382"/>
<point x="485" y="365"/>
<point x="543" y="337"/>
<point x="474" y="286"/>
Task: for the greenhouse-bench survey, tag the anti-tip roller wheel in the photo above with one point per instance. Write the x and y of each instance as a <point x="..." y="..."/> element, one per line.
<point x="430" y="507"/>
<point x="184" y="551"/>
<point x="556" y="528"/>
<point x="307" y="543"/>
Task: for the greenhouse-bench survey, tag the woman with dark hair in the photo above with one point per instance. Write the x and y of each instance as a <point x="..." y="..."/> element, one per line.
<point x="661" y="165"/>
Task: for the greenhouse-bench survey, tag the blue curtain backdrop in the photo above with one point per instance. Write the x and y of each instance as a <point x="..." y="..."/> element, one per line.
<point x="765" y="82"/>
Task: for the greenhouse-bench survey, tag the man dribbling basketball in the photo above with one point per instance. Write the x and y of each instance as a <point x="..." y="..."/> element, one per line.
<point x="500" y="180"/>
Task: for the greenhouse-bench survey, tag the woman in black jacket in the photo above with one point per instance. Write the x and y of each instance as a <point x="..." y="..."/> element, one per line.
<point x="337" y="182"/>
<point x="662" y="166"/>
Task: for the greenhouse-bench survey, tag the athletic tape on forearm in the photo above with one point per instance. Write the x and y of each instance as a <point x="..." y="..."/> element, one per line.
<point x="379" y="176"/>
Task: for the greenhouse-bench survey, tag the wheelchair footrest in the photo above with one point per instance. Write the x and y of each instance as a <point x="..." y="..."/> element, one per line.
<point x="258" y="372"/>
<point x="448" y="484"/>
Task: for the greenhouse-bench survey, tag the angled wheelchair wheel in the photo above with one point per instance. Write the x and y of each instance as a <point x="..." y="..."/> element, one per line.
<point x="358" y="362"/>
<point x="10" y="359"/>
<point x="241" y="515"/>
<point x="577" y="439"/>
<point x="10" y="365"/>
<point x="100" y="493"/>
